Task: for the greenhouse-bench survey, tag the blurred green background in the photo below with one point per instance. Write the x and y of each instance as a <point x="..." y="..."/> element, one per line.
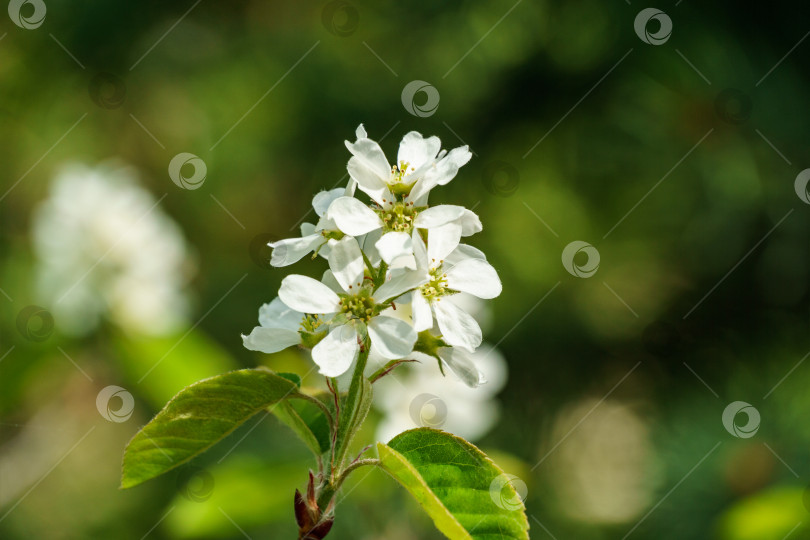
<point x="617" y="382"/>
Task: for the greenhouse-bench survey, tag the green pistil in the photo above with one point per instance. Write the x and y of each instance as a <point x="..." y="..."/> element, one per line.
<point x="398" y="218"/>
<point x="429" y="344"/>
<point x="313" y="330"/>
<point x="332" y="235"/>
<point x="397" y="183"/>
<point x="360" y="306"/>
<point x="328" y="235"/>
<point x="437" y="286"/>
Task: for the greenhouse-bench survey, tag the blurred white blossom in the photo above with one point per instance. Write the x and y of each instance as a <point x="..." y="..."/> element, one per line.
<point x="106" y="249"/>
<point x="416" y="395"/>
<point x="604" y="466"/>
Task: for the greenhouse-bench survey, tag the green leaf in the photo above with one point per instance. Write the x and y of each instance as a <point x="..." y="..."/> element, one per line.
<point x="308" y="421"/>
<point x="292" y="377"/>
<point x="198" y="417"/>
<point x="466" y="495"/>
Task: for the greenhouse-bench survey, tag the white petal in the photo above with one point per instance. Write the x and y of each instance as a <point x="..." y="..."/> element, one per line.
<point x="420" y="309"/>
<point x="367" y="180"/>
<point x="447" y="168"/>
<point x="322" y="200"/>
<point x="346" y="263"/>
<point x="367" y="242"/>
<point x="463" y="366"/>
<point x="325" y="224"/>
<point x="392" y="337"/>
<point x="419" y="192"/>
<point x="277" y="314"/>
<point x="441" y="242"/>
<point x="351" y="186"/>
<point x="439" y="174"/>
<point x="438" y="216"/>
<point x="394" y="244"/>
<point x="270" y="340"/>
<point x="308" y="295"/>
<point x="403" y="262"/>
<point x="419" y="250"/>
<point x="464" y="251"/>
<point x="400" y="283"/>
<point x="417" y="151"/>
<point x="353" y="217"/>
<point x="329" y="280"/>
<point x="371" y="155"/>
<point x="360" y="132"/>
<point x="470" y="223"/>
<point x="475" y="277"/>
<point x="336" y="353"/>
<point x="458" y="328"/>
<point x="307" y="229"/>
<point x="286" y="252"/>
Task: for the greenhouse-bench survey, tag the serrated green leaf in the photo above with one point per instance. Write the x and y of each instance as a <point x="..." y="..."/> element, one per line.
<point x="458" y="486"/>
<point x="308" y="421"/>
<point x="198" y="417"/>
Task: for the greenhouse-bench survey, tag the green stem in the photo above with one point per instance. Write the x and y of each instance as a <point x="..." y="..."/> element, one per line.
<point x="380" y="278"/>
<point x="388" y="368"/>
<point x="356" y="465"/>
<point x="349" y="415"/>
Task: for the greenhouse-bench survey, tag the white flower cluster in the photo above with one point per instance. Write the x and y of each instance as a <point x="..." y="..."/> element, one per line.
<point x="106" y="249"/>
<point x="393" y="266"/>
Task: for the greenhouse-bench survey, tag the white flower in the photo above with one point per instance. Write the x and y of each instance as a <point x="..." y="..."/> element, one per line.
<point x="279" y="328"/>
<point x="313" y="237"/>
<point x="396" y="266"/>
<point x="414" y="396"/>
<point x="400" y="193"/>
<point x="106" y="249"/>
<point x="449" y="267"/>
<point x="420" y="167"/>
<point x="356" y="309"/>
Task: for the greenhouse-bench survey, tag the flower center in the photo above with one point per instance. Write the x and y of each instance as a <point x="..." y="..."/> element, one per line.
<point x="397" y="183"/>
<point x="310" y="323"/>
<point x="359" y="306"/>
<point x="399" y="217"/>
<point x="436" y="286"/>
